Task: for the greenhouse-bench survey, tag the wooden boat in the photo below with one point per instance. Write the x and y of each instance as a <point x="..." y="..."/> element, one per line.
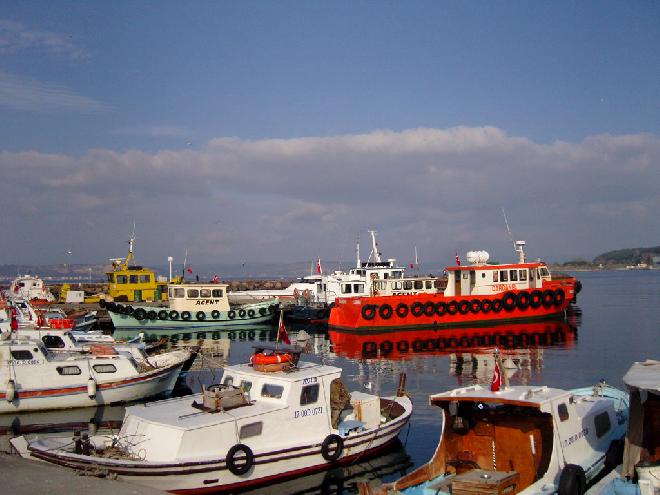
<point x="639" y="474"/>
<point x="191" y="305"/>
<point x="254" y="428"/>
<point x="518" y="439"/>
<point x="33" y="378"/>
<point x="475" y="293"/>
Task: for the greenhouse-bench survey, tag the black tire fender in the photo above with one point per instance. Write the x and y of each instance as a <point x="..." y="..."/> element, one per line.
<point x="332" y="447"/>
<point x="251" y="313"/>
<point x="200" y="315"/>
<point x="523" y="300"/>
<point x="174" y="315"/>
<point x="385" y="311"/>
<point x="139" y="314"/>
<point x="475" y="305"/>
<point x="231" y="314"/>
<point x="536" y="298"/>
<point x="185" y="315"/>
<point x="241" y="313"/>
<point x="215" y="314"/>
<point x="509" y="301"/>
<point x="429" y="308"/>
<point x="464" y="307"/>
<point x="368" y="311"/>
<point x="162" y="314"/>
<point x="402" y="310"/>
<point x="235" y="467"/>
<point x="440" y="308"/>
<point x="559" y="297"/>
<point x="572" y="480"/>
<point x="417" y="309"/>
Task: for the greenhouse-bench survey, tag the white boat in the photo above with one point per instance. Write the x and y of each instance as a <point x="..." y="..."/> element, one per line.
<point x="640" y="472"/>
<point x="30" y="287"/>
<point x="518" y="440"/>
<point x="191" y="305"/>
<point x="257" y="427"/>
<point x="33" y="378"/>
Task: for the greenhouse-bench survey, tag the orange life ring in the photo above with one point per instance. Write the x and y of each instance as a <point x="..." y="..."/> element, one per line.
<point x="260" y="359"/>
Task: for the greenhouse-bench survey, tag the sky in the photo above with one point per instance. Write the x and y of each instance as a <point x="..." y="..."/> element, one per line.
<point x="281" y="130"/>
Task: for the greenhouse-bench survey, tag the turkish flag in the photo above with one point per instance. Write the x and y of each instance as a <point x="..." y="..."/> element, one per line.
<point x="496" y="382"/>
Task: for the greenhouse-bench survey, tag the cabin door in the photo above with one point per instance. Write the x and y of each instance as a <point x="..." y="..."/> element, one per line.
<point x="457" y="283"/>
<point x="137" y="295"/>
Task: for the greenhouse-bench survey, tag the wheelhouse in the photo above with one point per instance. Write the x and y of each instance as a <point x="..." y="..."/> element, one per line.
<point x="198" y="297"/>
<point x="484" y="279"/>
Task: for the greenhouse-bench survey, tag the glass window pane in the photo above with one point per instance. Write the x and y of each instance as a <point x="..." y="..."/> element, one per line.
<point x="272" y="391"/>
<point x="309" y="394"/>
<point x="193" y="293"/>
<point x="514" y="275"/>
<point x="205" y="293"/>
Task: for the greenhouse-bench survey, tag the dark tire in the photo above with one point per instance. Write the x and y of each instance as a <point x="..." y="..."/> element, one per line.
<point x="368" y="311"/>
<point x="417" y="309"/>
<point x="162" y="314"/>
<point x="486" y="305"/>
<point x="475" y="306"/>
<point x="185" y="315"/>
<point x="464" y="307"/>
<point x="572" y="480"/>
<point x="452" y="307"/>
<point x="262" y="311"/>
<point x="440" y="308"/>
<point x="402" y="310"/>
<point x="509" y="301"/>
<point x="497" y="306"/>
<point x="332" y="447"/>
<point x="232" y="314"/>
<point x="152" y="315"/>
<point x="200" y="316"/>
<point x="536" y="298"/>
<point x="128" y="310"/>
<point x="119" y="308"/>
<point x="139" y="314"/>
<point x="215" y="314"/>
<point x="102" y="303"/>
<point x="251" y="313"/>
<point x="548" y="298"/>
<point x="240" y="459"/>
<point x="559" y="297"/>
<point x="385" y="311"/>
<point x="369" y="350"/>
<point x="523" y="300"/>
<point x="174" y="315"/>
<point x="242" y="313"/>
<point x="429" y="308"/>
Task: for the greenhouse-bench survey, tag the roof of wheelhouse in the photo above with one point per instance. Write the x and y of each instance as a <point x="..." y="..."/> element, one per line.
<point x="527" y="396"/>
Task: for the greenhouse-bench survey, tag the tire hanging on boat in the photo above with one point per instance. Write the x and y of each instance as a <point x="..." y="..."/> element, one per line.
<point x="559" y="297"/>
<point x="402" y="310"/>
<point x="475" y="305"/>
<point x="139" y="314"/>
<point x="102" y="303"/>
<point x="215" y="314"/>
<point x="402" y="346"/>
<point x="332" y="447"/>
<point x="509" y="301"/>
<point x="185" y="315"/>
<point x="523" y="300"/>
<point x="440" y="308"/>
<point x="386" y="347"/>
<point x="548" y="298"/>
<point x="251" y="313"/>
<point x="486" y="305"/>
<point x="152" y="315"/>
<point x="242" y="313"/>
<point x="162" y="314"/>
<point x="452" y="307"/>
<point x="385" y="311"/>
<point x="429" y="308"/>
<point x="369" y="349"/>
<point x="263" y="311"/>
<point x="231" y="314"/>
<point x="368" y="311"/>
<point x="463" y="307"/>
<point x="572" y="480"/>
<point x="236" y="465"/>
<point x="174" y="315"/>
<point x="536" y="298"/>
<point x="200" y="315"/>
<point x="417" y="309"/>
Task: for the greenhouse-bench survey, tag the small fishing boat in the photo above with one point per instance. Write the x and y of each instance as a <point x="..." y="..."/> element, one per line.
<point x="275" y="419"/>
<point x="475" y="293"/>
<point x="191" y="305"/>
<point x="518" y="440"/>
<point x="34" y="378"/>
<point x="639" y="474"/>
<point x="31" y="288"/>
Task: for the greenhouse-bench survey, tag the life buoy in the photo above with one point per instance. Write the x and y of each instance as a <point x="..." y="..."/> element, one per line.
<point x="385" y="311"/>
<point x="231" y="314"/>
<point x="509" y="301"/>
<point x="185" y="315"/>
<point x="536" y="298"/>
<point x="440" y="308"/>
<point x="402" y="310"/>
<point x="475" y="305"/>
<point x="497" y="305"/>
<point x="452" y="307"/>
<point x="402" y="346"/>
<point x="368" y="311"/>
<point x="251" y="313"/>
<point x="486" y="305"/>
<point x="162" y="314"/>
<point x="463" y="307"/>
<point x="429" y="308"/>
<point x="239" y="459"/>
<point x="200" y="315"/>
<point x="548" y="298"/>
<point x="261" y="358"/>
<point x="332" y="447"/>
<point x="152" y="315"/>
<point x="417" y="309"/>
<point x="572" y="480"/>
<point x="139" y="314"/>
<point x="559" y="297"/>
<point x="174" y="315"/>
<point x="241" y="313"/>
<point x="215" y="314"/>
<point x="524" y="300"/>
<point x="386" y="347"/>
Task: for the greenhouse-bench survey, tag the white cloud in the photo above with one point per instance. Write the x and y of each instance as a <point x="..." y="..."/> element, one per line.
<point x="16" y="37"/>
<point x="440" y="189"/>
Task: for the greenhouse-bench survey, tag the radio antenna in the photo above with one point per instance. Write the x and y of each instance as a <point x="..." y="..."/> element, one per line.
<point x="506" y="222"/>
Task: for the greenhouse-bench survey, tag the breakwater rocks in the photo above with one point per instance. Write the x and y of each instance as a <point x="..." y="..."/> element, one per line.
<point x="242" y="285"/>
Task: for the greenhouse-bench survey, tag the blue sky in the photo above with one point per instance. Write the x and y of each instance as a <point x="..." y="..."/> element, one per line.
<point x="268" y="114"/>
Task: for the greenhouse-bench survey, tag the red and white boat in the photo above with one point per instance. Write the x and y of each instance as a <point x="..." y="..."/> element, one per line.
<point x="475" y="293"/>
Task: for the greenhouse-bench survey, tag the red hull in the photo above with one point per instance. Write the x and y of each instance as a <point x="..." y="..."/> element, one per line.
<point x="406" y="344"/>
<point x="429" y="310"/>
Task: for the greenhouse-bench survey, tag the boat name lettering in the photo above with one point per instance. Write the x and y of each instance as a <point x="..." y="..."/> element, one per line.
<point x="25" y="362"/>
<point x="307" y="381"/>
<point x="575" y="437"/>
<point x="503" y="287"/>
<point x="314" y="411"/>
<point x="206" y="301"/>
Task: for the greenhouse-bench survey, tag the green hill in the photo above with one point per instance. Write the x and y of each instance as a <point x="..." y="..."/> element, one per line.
<point x="630" y="256"/>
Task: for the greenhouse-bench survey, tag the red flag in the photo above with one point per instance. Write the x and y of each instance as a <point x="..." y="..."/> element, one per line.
<point x="319" y="270"/>
<point x="216" y="279"/>
<point x="496" y="382"/>
<point x="458" y="260"/>
<point x="281" y="331"/>
<point x="189" y="270"/>
<point x="412" y="265"/>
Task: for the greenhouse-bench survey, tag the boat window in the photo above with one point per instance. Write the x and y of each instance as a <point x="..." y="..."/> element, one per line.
<point x="228" y="380"/>
<point x="407" y="285"/>
<point x="346" y="289"/>
<point x="602" y="422"/>
<point x="514" y="275"/>
<point x="272" y="391"/>
<point x="133" y="279"/>
<point x="358" y="288"/>
<point x="179" y="293"/>
<point x="246" y="386"/>
<point x="386" y="275"/>
<point x="522" y="275"/>
<point x="68" y="370"/>
<point x="216" y="292"/>
<point x="250" y="430"/>
<point x="104" y="368"/>
<point x="396" y="285"/>
<point x="309" y="394"/>
<point x="419" y="284"/>
<point x="504" y="276"/>
<point x="205" y="293"/>
<point x="193" y="293"/>
<point x="483" y="274"/>
<point x="466" y="275"/>
<point x="437" y="284"/>
<point x="495" y="276"/>
<point x="562" y="410"/>
<point x="21" y="355"/>
<point x="53" y="342"/>
<point x="429" y="284"/>
<point x="532" y="274"/>
<point x="121" y="279"/>
<point x="544" y="272"/>
<point x="145" y="279"/>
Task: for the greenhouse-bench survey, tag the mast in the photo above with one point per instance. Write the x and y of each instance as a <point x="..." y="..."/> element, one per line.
<point x="357" y="251"/>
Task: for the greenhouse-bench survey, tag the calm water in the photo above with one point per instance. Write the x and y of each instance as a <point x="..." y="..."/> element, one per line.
<point x="614" y="324"/>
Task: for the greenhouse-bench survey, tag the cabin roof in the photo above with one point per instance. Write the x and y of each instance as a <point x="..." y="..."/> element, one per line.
<point x="494" y="267"/>
<point x="302" y="371"/>
<point x="644" y="376"/>
<point x="528" y="396"/>
<point x="199" y="285"/>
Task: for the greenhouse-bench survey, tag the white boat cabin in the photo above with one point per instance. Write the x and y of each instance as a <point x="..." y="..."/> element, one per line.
<point x="406" y="286"/>
<point x="198" y="297"/>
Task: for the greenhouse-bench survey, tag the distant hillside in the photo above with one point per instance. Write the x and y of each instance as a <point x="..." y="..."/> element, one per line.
<point x="630" y="256"/>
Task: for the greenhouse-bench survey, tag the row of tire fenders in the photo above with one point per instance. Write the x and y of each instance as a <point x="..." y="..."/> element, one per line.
<point x="142" y="314"/>
<point x="508" y="302"/>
